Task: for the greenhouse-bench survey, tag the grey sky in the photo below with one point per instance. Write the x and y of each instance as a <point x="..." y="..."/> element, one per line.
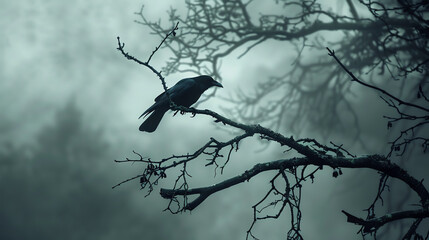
<point x="56" y="52"/>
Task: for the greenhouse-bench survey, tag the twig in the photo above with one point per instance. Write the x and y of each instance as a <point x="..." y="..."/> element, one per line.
<point x="354" y="78"/>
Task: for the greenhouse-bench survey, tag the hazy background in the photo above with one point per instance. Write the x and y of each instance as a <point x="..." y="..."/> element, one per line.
<point x="69" y="103"/>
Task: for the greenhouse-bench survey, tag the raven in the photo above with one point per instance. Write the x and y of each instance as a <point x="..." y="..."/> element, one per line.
<point x="185" y="93"/>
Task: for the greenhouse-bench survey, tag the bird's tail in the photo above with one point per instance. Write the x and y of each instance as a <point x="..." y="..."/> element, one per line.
<point x="152" y="122"/>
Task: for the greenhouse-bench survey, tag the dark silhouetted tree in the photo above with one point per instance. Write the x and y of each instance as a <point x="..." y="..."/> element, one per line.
<point x="378" y="46"/>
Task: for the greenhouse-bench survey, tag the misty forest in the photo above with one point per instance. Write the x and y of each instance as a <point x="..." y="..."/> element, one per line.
<point x="318" y="127"/>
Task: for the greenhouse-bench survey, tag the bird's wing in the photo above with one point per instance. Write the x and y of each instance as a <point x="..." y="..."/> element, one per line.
<point x="176" y="92"/>
<point x="159" y="101"/>
<point x="180" y="88"/>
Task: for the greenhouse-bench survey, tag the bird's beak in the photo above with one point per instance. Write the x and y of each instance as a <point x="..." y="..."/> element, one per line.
<point x="217" y="84"/>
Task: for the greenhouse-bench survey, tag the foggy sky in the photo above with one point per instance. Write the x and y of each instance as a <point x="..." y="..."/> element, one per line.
<point x="60" y="71"/>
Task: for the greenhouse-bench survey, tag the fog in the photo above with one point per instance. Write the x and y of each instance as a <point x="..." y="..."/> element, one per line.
<point x="69" y="104"/>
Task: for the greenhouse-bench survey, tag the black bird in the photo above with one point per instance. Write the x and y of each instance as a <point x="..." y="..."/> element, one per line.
<point x="185" y="93"/>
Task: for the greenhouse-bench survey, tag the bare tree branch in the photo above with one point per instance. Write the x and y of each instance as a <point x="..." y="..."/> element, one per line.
<point x="332" y="54"/>
<point x="392" y="39"/>
<point x="375" y="162"/>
